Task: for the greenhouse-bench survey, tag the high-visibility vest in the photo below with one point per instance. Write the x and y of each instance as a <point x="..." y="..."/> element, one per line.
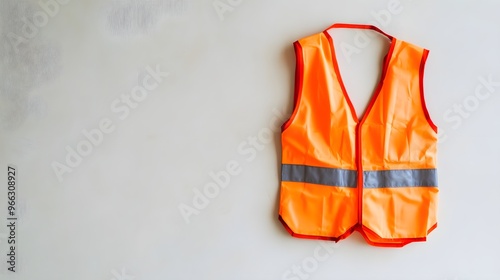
<point x="375" y="175"/>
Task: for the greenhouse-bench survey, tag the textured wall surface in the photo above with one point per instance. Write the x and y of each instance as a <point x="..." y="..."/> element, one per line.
<point x="144" y="135"/>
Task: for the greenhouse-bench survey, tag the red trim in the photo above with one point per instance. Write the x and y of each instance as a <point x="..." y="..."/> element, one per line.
<point x="432" y="228"/>
<point x="397" y="242"/>
<point x="359" y="26"/>
<point x="359" y="164"/>
<point x="421" y="83"/>
<point x="374" y="97"/>
<point x="299" y="76"/>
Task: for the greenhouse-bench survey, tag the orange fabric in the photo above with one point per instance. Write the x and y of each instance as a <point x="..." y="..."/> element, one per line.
<point x="395" y="133"/>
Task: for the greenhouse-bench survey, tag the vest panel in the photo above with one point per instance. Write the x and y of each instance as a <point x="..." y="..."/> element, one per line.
<point x="376" y="175"/>
<point x="316" y="210"/>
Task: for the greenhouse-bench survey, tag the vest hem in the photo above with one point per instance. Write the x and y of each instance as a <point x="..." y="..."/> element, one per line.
<point x="317" y="237"/>
<point x="364" y="231"/>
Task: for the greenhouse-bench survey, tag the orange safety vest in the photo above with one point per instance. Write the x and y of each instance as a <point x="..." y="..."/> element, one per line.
<point x="376" y="175"/>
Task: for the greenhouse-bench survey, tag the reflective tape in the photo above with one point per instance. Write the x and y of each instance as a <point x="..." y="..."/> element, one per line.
<point x="319" y="175"/>
<point x="348" y="178"/>
<point x="400" y="178"/>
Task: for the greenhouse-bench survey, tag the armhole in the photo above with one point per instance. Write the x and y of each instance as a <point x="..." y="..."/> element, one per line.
<point x="422" y="97"/>
<point x="299" y="74"/>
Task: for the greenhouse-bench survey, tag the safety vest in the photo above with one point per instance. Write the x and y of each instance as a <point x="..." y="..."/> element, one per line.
<point x="375" y="175"/>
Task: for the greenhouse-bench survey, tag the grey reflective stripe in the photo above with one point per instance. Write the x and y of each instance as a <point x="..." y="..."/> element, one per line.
<point x="400" y="178"/>
<point x="348" y="178"/>
<point x="319" y="175"/>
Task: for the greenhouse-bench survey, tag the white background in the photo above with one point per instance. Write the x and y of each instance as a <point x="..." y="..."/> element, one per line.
<point x="116" y="214"/>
